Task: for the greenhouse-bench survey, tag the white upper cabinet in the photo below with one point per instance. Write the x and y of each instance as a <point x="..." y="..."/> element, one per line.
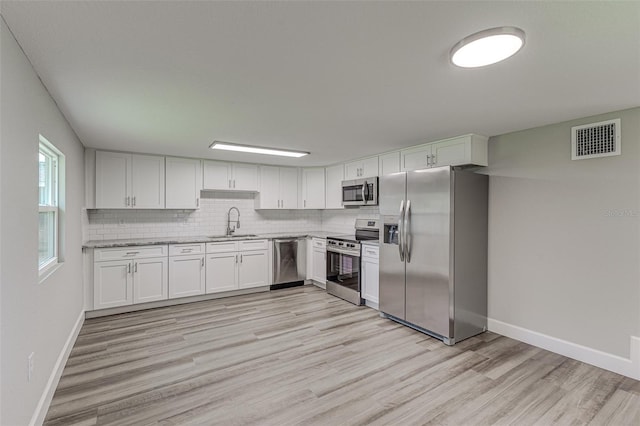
<point x="367" y="167"/>
<point x="113" y="180"/>
<point x="463" y="150"/>
<point x="333" y="186"/>
<point x="183" y="183"/>
<point x="244" y="176"/>
<point x="278" y="188"/>
<point x="288" y="188"/>
<point x="313" y="188"/>
<point x="129" y="181"/>
<point x="223" y="176"/>
<point x="389" y="163"/>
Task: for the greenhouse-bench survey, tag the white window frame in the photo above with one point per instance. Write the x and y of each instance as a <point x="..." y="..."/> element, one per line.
<point x="47" y="148"/>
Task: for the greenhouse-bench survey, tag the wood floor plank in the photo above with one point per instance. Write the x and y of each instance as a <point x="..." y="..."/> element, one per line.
<point x="300" y="356"/>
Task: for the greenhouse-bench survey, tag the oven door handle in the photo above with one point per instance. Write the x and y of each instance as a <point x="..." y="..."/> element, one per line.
<point x="339" y="251"/>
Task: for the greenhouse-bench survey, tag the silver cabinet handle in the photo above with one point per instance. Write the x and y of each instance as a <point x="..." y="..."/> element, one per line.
<point x="433" y="160"/>
<point x="184" y="250"/>
<point x="236" y="258"/>
<point x="197" y="202"/>
<point x="136" y="267"/>
<point x="428" y="159"/>
<point x="202" y="262"/>
<point x="407" y="231"/>
<point x="128" y="268"/>
<point x="128" y="201"/>
<point x="401" y="231"/>
<point x="134" y="200"/>
<point x="240" y="258"/>
<point x="234" y="183"/>
<point x="132" y="253"/>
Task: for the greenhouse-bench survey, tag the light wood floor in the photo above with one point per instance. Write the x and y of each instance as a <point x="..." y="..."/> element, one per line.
<point x="300" y="356"/>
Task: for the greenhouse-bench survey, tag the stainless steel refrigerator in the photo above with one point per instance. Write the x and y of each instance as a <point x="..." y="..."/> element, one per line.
<point x="433" y="251"/>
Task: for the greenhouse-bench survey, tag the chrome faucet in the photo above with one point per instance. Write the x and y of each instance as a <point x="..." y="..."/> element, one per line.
<point x="237" y="225"/>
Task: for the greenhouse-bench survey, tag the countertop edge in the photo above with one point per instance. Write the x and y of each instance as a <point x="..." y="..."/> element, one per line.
<point x="91" y="244"/>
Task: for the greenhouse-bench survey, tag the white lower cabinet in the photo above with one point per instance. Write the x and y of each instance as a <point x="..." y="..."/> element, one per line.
<point x="112" y="284"/>
<point x="370" y="274"/>
<point x="186" y="276"/>
<point x="319" y="260"/>
<point x="222" y="272"/>
<point x="253" y="269"/>
<point x="237" y="265"/>
<point x="150" y="280"/>
<point x="124" y="276"/>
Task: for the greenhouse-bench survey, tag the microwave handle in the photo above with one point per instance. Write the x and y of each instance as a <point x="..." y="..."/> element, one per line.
<point x="365" y="191"/>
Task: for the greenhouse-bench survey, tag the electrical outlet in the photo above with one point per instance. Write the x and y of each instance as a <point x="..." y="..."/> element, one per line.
<point x="30" y="363"/>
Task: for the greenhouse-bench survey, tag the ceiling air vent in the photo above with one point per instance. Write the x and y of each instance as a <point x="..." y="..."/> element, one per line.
<point x="595" y="140"/>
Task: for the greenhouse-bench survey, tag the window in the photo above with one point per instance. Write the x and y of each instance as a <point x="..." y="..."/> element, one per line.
<point x="49" y="162"/>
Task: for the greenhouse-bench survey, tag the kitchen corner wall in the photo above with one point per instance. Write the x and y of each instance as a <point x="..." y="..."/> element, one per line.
<point x="211" y="219"/>
<point x="38" y="317"/>
<point x="564" y="236"/>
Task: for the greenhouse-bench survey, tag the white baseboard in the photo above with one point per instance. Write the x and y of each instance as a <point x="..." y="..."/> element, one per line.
<point x="47" y="395"/>
<point x="629" y="367"/>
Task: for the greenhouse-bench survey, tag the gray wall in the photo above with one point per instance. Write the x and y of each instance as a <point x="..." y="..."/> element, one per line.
<point x="35" y="317"/>
<point x="564" y="240"/>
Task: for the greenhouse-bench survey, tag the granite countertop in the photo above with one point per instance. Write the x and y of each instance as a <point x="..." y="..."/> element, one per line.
<point x="198" y="239"/>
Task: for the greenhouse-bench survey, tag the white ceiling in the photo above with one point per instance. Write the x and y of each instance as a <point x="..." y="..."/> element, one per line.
<point x="338" y="79"/>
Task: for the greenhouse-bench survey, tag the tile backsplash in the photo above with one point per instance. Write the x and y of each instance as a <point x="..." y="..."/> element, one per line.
<point x="211" y="219"/>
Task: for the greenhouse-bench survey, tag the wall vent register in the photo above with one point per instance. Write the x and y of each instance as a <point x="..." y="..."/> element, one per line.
<point x="595" y="140"/>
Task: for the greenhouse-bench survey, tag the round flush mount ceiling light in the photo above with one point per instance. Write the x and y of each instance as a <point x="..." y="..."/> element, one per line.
<point x="487" y="47"/>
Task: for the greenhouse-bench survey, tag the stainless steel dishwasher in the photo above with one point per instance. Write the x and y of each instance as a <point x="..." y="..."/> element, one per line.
<point x="289" y="262"/>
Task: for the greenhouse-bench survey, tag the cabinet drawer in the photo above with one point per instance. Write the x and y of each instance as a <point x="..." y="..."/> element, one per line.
<point x="132" y="252"/>
<point x="183" y="249"/>
<point x="253" y="245"/>
<point x="370" y="252"/>
<point x="319" y="243"/>
<point x="222" y="247"/>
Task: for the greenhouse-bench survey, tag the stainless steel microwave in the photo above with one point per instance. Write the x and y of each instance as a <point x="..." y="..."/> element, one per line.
<point x="360" y="192"/>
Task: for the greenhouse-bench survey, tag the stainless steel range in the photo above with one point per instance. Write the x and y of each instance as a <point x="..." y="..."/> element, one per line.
<point x="343" y="260"/>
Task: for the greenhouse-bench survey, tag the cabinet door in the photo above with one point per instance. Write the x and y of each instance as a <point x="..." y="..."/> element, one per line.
<point x="269" y="197"/>
<point x="333" y="187"/>
<point x="313" y="188"/>
<point x="352" y="170"/>
<point x="416" y="158"/>
<point x="389" y="163"/>
<point x="452" y="152"/>
<point x="370" y="281"/>
<point x="183" y="183"/>
<point x="288" y="188"/>
<point x="147" y="183"/>
<point x="113" y="180"/>
<point x="369" y="167"/>
<point x="217" y="175"/>
<point x="222" y="272"/>
<point x="112" y="284"/>
<point x="245" y="177"/>
<point x="150" y="280"/>
<point x="186" y="276"/>
<point x="253" y="269"/>
<point x="319" y="265"/>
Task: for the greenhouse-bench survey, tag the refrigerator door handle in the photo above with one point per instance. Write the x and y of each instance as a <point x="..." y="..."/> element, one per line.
<point x="401" y="231"/>
<point x="406" y="228"/>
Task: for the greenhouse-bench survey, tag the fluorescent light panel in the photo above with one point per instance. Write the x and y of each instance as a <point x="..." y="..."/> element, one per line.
<point x="487" y="47"/>
<point x="256" y="149"/>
